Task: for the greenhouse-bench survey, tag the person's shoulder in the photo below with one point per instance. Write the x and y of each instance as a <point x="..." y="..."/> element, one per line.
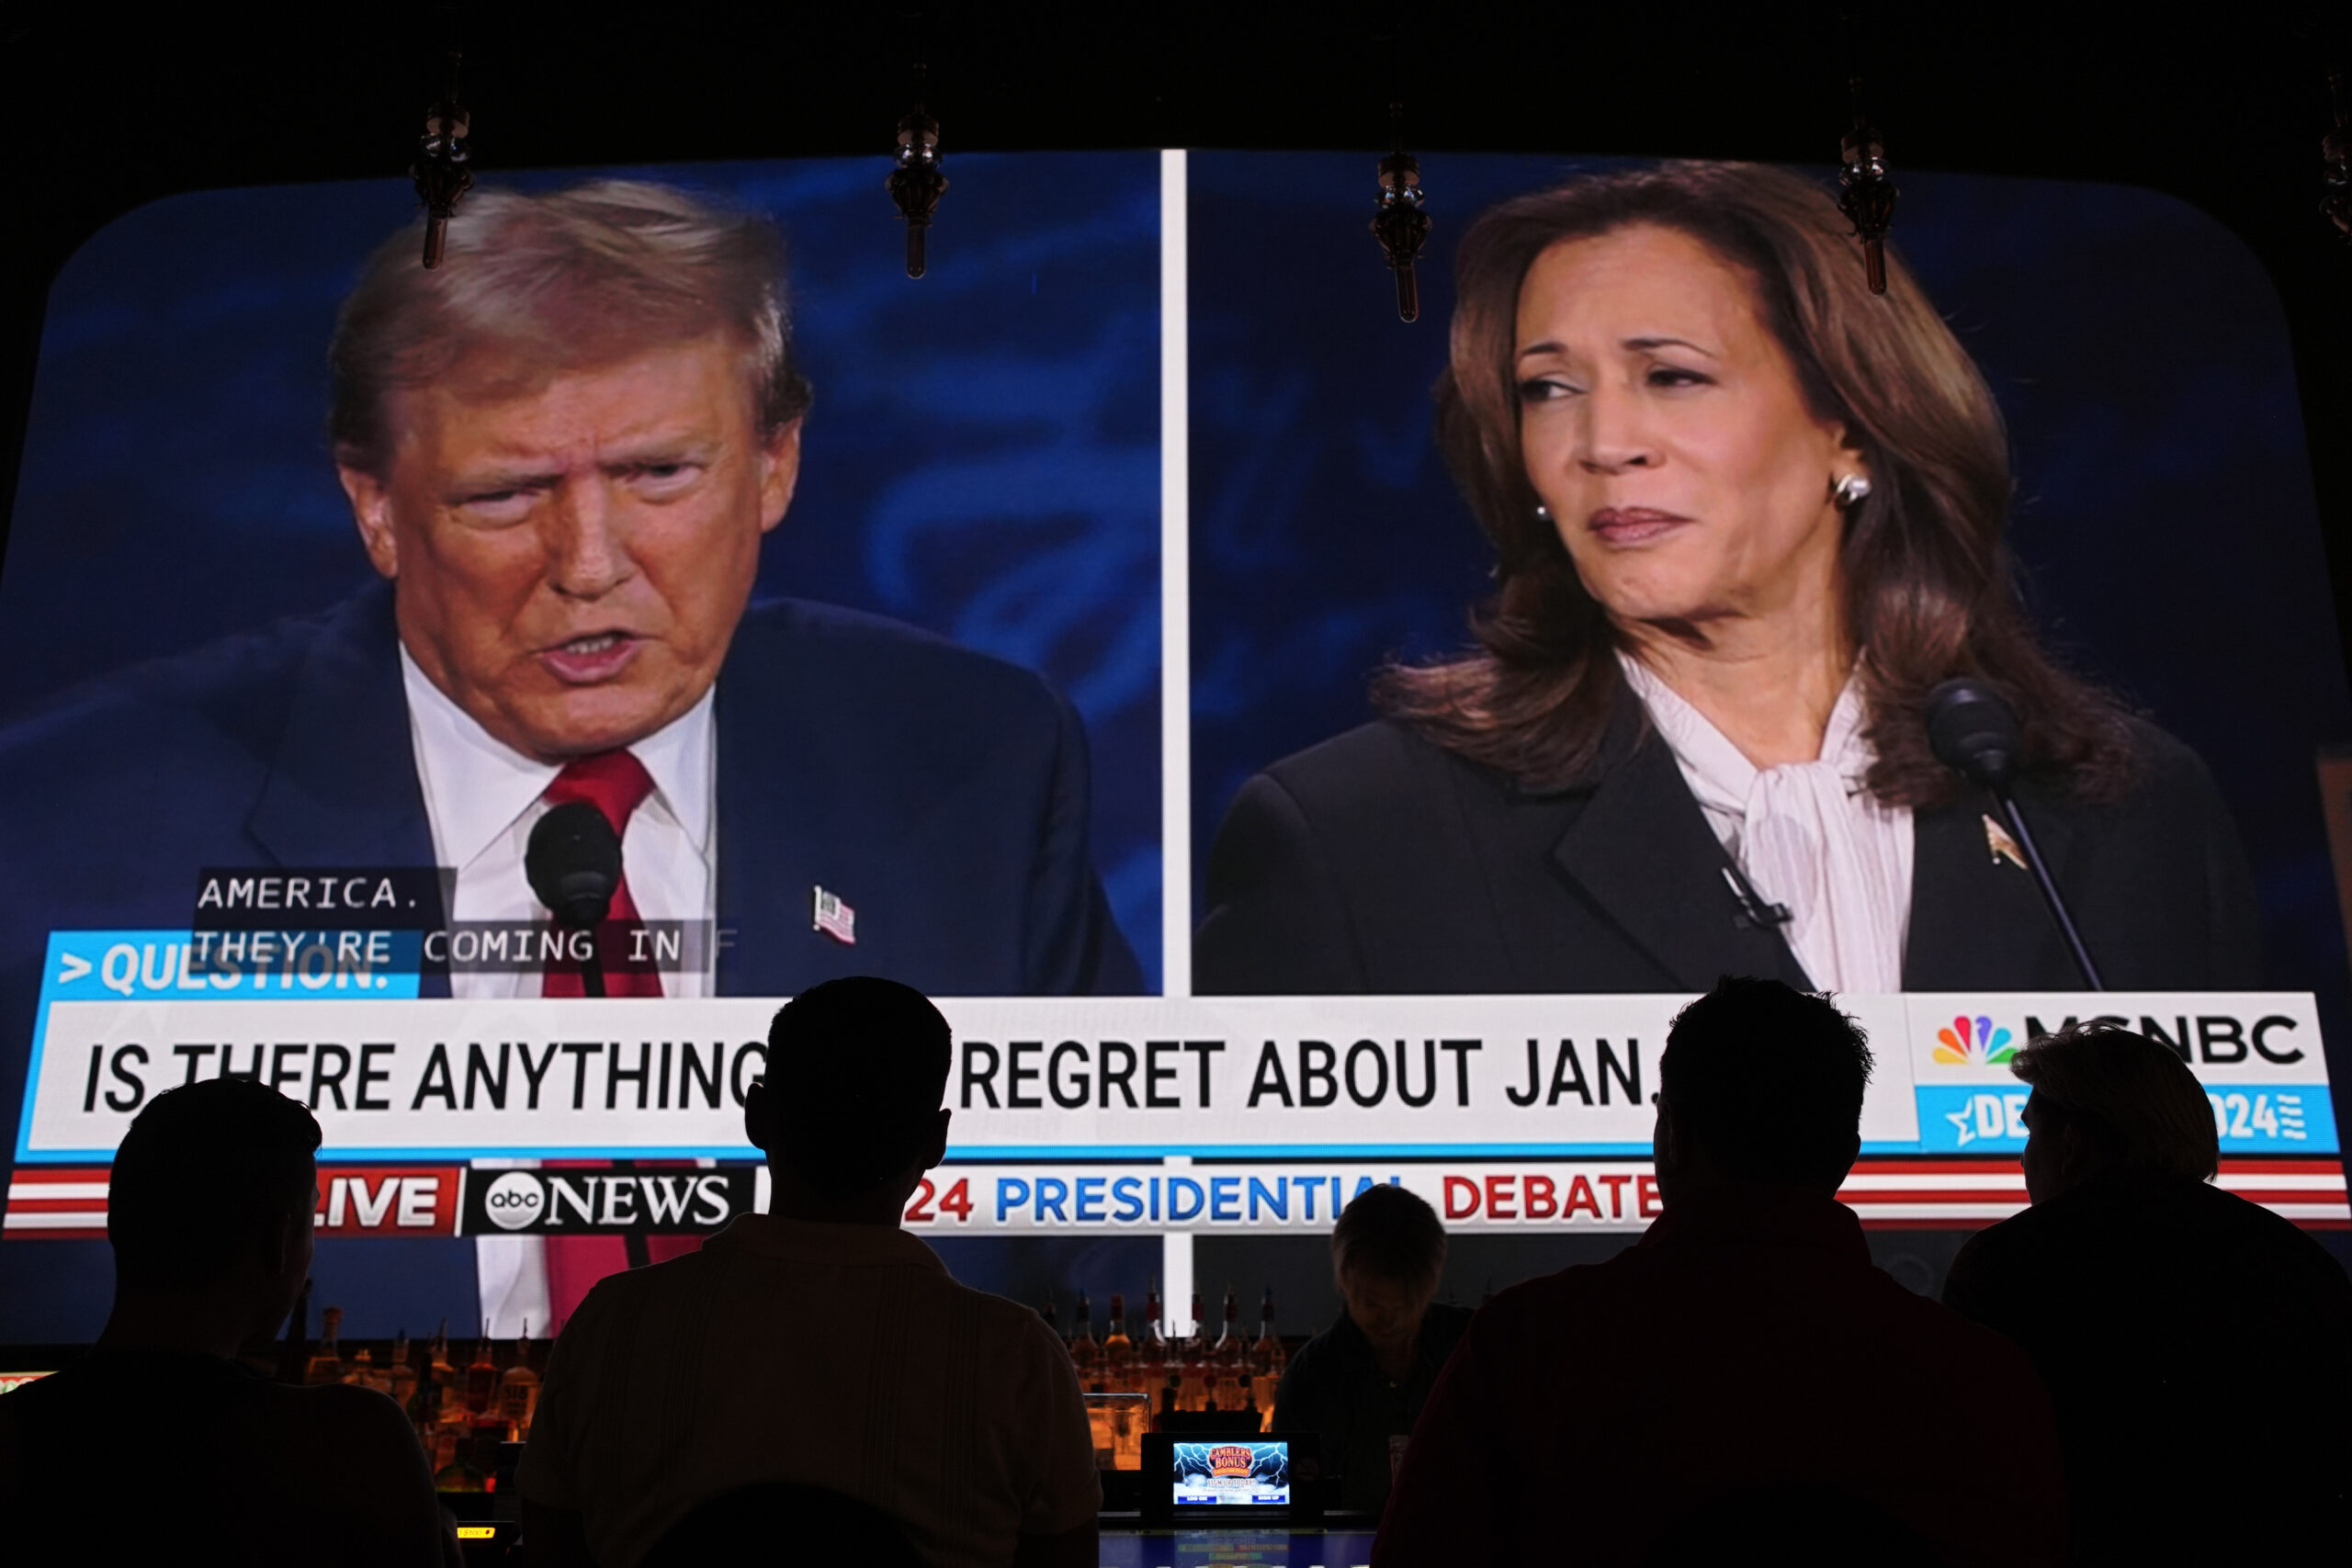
<point x="1323" y="1353"/>
<point x="867" y="650"/>
<point x="1446" y="1322"/>
<point x="2006" y="1244"/>
<point x="1536" y="1308"/>
<point x="237" y="689"/>
<point x="344" y="1411"/>
<point x="615" y="1304"/>
<point x="1365" y="779"/>
<point x="1382" y="756"/>
<point x="2168" y="771"/>
<point x="2276" y="1246"/>
<point x="1990" y="1266"/>
<point x="1937" y="1333"/>
<point x="997" y="1321"/>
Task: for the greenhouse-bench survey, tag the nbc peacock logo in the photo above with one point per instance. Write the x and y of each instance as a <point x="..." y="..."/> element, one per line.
<point x="1973" y="1042"/>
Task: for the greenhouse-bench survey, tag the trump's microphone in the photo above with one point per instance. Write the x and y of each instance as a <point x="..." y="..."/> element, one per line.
<point x="573" y="864"/>
<point x="1973" y="732"/>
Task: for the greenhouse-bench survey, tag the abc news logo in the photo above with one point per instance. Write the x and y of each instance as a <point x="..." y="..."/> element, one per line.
<point x="609" y="1203"/>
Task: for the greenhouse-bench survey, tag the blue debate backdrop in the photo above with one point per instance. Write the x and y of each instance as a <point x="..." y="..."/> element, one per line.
<point x="982" y="459"/>
<point x="2164" y="516"/>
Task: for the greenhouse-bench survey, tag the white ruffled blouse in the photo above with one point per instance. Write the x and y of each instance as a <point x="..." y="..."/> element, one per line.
<point x="1806" y="835"/>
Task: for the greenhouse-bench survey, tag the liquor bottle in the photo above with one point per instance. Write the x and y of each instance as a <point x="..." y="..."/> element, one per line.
<point x="1229" y="1359"/>
<point x="402" y="1374"/>
<point x="1084" y="1353"/>
<point x="481" y="1376"/>
<point x="1193" y="1379"/>
<point x="457" y="1460"/>
<point x="1151" y="1351"/>
<point x="518" y="1389"/>
<point x="447" y="1411"/>
<point x="363" y="1371"/>
<point x="1053" y="1321"/>
<point x="326" y="1362"/>
<point x="1119" y="1352"/>
<point x="436" y="1366"/>
<point x="1266" y="1360"/>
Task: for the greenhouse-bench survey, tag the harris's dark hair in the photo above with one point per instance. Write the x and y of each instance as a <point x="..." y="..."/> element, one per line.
<point x="1769" y="1081"/>
<point x="857" y="1070"/>
<point x="1930" y="583"/>
<point x="206" y="1173"/>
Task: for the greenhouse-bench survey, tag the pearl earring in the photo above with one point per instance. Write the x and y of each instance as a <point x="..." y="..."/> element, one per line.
<point x="1850" y="489"/>
<point x="1543" y="512"/>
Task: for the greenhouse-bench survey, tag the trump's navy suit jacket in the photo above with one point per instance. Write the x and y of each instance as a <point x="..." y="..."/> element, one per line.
<point x="940" y="793"/>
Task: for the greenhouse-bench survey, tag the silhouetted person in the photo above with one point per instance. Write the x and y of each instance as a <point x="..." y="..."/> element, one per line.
<point x="1361" y="1383"/>
<point x="158" y="1447"/>
<point x="780" y="1524"/>
<point x="2198" y="1347"/>
<point x="819" y="1343"/>
<point x="1744" y="1354"/>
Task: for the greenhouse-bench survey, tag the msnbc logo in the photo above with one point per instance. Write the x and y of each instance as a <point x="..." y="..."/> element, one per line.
<point x="1973" y="1042"/>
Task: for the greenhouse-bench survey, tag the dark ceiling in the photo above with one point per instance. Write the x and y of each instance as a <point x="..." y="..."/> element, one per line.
<point x="2223" y="107"/>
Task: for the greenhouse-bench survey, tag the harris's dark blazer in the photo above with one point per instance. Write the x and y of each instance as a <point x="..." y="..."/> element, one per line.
<point x="942" y="793"/>
<point x="1378" y="862"/>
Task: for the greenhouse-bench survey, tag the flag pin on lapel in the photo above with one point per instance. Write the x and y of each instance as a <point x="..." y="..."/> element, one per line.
<point x="835" y="918"/>
<point x="2004" y="848"/>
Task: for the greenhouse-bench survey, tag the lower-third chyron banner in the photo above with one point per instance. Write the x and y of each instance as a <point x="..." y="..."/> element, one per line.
<point x="1301" y="1197"/>
<point x="1131" y="1078"/>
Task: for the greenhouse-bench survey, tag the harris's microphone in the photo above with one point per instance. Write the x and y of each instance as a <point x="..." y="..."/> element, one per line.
<point x="573" y="864"/>
<point x="1973" y="732"/>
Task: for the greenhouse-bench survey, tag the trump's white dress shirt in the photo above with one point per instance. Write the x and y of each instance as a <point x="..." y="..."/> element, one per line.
<point x="1807" y="835"/>
<point x="481" y="797"/>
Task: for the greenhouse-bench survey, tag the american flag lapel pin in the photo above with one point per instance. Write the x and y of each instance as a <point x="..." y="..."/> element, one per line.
<point x="2004" y="848"/>
<point x="835" y="918"/>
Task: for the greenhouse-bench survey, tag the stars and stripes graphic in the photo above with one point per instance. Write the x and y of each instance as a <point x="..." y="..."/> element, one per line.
<point x="57" y="1203"/>
<point x="1968" y="1194"/>
<point x="835" y="918"/>
<point x="69" y="1202"/>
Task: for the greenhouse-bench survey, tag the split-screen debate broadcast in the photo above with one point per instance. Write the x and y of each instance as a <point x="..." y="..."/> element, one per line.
<point x="1289" y="743"/>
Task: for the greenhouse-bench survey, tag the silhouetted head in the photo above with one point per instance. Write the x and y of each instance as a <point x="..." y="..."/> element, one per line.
<point x="214" y="1177"/>
<point x="1388" y="1253"/>
<point x="1761" y="1085"/>
<point x="851" y="1099"/>
<point x="2108" y="1099"/>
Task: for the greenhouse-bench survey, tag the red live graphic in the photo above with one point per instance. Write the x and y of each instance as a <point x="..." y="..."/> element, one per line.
<point x="387" y="1199"/>
<point x="1531" y="1196"/>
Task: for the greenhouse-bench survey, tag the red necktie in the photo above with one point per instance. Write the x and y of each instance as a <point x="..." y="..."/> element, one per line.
<point x="616" y="784"/>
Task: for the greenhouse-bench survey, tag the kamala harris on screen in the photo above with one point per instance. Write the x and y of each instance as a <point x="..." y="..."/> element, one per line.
<point x="1745" y="516"/>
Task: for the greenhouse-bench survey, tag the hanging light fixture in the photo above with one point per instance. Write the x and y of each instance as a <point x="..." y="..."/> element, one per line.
<point x="918" y="183"/>
<point x="443" y="169"/>
<point x="1867" y="193"/>
<point x="1400" y="223"/>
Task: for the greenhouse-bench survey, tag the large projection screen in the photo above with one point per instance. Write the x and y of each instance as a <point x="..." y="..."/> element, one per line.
<point x="1069" y="599"/>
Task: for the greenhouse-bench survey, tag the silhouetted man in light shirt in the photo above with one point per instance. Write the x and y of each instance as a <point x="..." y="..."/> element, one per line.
<point x="819" y="1343"/>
